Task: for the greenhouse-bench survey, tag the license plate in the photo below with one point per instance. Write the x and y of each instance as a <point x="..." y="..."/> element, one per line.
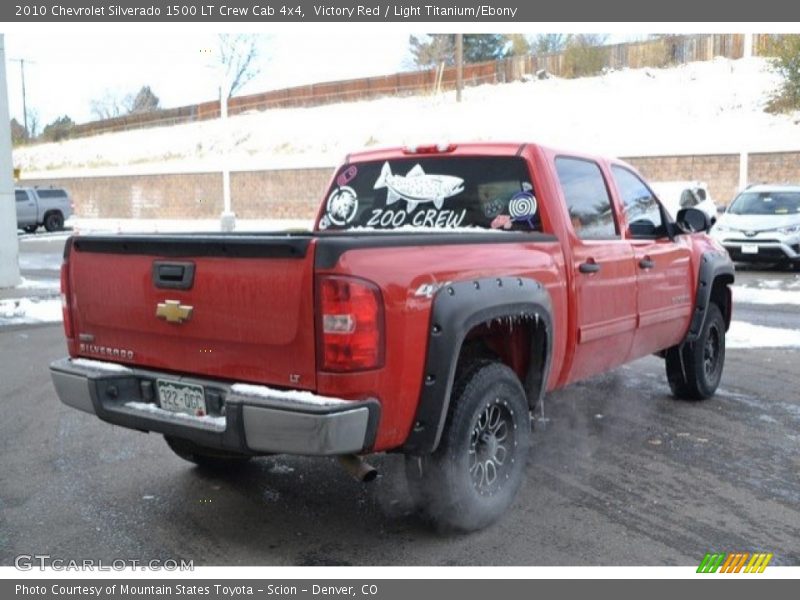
<point x="181" y="397"/>
<point x="749" y="248"/>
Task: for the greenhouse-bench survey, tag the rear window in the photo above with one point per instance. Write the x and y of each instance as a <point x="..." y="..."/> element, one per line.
<point x="433" y="193"/>
<point x="51" y="194"/>
<point x="766" y="203"/>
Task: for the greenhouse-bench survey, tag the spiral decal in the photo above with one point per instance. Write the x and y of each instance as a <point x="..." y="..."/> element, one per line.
<point x="522" y="207"/>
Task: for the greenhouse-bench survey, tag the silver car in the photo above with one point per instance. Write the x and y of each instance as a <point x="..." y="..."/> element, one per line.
<point x="762" y="224"/>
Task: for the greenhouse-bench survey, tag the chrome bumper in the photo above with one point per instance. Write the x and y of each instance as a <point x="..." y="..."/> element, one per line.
<point x="243" y="418"/>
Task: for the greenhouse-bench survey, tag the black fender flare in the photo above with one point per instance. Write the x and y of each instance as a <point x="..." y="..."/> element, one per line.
<point x="458" y="308"/>
<point x="713" y="265"/>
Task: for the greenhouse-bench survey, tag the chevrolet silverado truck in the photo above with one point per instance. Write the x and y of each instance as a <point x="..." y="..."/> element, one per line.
<point x="441" y="292"/>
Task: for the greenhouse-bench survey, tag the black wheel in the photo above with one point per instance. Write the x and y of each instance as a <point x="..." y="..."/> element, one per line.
<point x="694" y="369"/>
<point x="54" y="221"/>
<point x="202" y="456"/>
<point x="30" y="228"/>
<point x="473" y="476"/>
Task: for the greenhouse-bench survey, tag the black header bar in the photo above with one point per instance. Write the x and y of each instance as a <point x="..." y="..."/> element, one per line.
<point x="401" y="11"/>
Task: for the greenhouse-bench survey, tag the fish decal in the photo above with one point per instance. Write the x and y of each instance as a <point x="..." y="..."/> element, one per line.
<point x="417" y="187"/>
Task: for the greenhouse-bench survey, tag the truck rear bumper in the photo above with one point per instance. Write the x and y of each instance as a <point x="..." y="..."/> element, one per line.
<point x="242" y="418"/>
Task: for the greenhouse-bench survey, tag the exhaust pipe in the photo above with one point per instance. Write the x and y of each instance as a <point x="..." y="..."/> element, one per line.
<point x="358" y="468"/>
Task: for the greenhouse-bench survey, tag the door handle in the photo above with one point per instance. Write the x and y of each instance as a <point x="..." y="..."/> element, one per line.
<point x="589" y="267"/>
<point x="646" y="263"/>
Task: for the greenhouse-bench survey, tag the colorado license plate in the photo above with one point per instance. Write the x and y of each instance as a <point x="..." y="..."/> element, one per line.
<point x="749" y="248"/>
<point x="181" y="397"/>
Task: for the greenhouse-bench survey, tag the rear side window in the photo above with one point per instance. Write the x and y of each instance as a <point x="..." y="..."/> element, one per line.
<point x="642" y="210"/>
<point x="51" y="194"/>
<point x="587" y="199"/>
<point x="21" y="196"/>
<point x="424" y="192"/>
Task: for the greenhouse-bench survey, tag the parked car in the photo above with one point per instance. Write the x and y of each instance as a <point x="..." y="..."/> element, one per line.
<point x="443" y="291"/>
<point x="675" y="195"/>
<point x="48" y="207"/>
<point x="762" y="224"/>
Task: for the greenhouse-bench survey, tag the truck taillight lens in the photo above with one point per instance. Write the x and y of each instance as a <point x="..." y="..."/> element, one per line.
<point x="350" y="324"/>
<point x="66" y="309"/>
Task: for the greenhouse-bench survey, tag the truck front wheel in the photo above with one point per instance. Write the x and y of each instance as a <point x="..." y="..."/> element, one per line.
<point x="471" y="479"/>
<point x="208" y="458"/>
<point x="54" y="221"/>
<point x="694" y="369"/>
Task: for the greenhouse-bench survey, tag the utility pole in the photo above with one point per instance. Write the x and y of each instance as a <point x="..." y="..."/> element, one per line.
<point x="459" y="65"/>
<point x="21" y="62"/>
<point x="9" y="244"/>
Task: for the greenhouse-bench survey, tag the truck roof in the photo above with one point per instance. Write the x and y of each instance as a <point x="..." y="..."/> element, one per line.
<point x="467" y="149"/>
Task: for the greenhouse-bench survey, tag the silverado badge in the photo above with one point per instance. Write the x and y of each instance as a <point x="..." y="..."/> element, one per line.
<point x="173" y="311"/>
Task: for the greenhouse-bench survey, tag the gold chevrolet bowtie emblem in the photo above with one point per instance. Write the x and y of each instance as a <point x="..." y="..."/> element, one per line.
<point x="173" y="311"/>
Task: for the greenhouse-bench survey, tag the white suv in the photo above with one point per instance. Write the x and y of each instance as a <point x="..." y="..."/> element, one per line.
<point x="762" y="224"/>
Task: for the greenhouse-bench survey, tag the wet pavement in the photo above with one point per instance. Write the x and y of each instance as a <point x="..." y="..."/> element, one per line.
<point x="619" y="473"/>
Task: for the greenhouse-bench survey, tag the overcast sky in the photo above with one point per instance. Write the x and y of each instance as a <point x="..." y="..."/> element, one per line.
<point x="64" y="72"/>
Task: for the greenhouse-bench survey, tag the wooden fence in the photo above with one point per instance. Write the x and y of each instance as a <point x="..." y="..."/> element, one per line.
<point x="661" y="52"/>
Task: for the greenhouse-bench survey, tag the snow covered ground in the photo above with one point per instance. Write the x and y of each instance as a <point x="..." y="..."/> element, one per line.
<point x="19" y="311"/>
<point x="702" y="107"/>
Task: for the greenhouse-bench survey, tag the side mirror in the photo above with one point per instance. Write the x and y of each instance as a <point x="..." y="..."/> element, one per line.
<point x="693" y="220"/>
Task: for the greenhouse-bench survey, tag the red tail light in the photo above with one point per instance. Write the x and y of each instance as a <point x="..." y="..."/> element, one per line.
<point x="350" y="324"/>
<point x="66" y="307"/>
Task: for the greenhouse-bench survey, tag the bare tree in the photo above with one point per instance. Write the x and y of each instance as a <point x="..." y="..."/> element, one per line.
<point x="238" y="55"/>
<point x="110" y="105"/>
<point x="33" y="123"/>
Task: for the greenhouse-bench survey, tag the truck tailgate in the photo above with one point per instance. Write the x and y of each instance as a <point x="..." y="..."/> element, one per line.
<point x="245" y="312"/>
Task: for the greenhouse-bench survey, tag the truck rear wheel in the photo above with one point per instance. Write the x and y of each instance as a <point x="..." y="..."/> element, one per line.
<point x="54" y="221"/>
<point x="202" y="456"/>
<point x="471" y="479"/>
<point x="694" y="369"/>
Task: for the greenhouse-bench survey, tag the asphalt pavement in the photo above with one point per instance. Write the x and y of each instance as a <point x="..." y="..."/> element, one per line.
<point x="619" y="474"/>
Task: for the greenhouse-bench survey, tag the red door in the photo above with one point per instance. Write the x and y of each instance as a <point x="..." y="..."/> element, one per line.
<point x="602" y="271"/>
<point x="663" y="267"/>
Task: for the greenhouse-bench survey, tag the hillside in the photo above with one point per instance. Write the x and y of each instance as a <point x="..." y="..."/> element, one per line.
<point x="698" y="108"/>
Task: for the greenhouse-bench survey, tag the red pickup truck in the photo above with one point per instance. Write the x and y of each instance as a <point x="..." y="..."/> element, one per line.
<point x="441" y="293"/>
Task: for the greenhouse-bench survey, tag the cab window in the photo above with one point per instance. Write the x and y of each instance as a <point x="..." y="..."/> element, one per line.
<point x="587" y="199"/>
<point x="642" y="210"/>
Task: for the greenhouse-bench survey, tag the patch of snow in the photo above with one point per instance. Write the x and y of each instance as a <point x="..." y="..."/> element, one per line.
<point x="697" y="108"/>
<point x="747" y="335"/>
<point x="15" y="311"/>
<point x="100" y="365"/>
<point x="39" y="284"/>
<point x="280" y="469"/>
<point x="765" y="295"/>
<point x="207" y="420"/>
<point x="294" y="396"/>
<point x="88" y="225"/>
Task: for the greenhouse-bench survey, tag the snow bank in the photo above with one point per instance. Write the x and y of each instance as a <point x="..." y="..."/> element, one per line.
<point x="87" y="225"/>
<point x="697" y="108"/>
<point x="751" y="295"/>
<point x="748" y="335"/>
<point x="16" y="311"/>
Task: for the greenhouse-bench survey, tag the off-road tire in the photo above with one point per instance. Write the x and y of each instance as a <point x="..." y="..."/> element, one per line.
<point x="54" y="221"/>
<point x="471" y="479"/>
<point x="208" y="458"/>
<point x="694" y="369"/>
